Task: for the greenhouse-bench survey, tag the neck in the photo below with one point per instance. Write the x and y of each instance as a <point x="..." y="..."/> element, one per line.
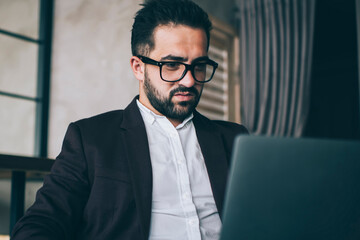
<point x="174" y="122"/>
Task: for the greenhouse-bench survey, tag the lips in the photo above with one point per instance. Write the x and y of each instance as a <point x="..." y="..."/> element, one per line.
<point x="184" y="96"/>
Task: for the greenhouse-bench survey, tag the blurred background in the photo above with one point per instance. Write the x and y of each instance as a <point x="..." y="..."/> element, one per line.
<point x="287" y="68"/>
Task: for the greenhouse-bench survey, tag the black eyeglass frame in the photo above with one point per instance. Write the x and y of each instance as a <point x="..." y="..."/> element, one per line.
<point x="187" y="67"/>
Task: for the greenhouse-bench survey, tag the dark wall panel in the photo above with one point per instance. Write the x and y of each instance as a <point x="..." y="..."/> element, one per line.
<point x="334" y="108"/>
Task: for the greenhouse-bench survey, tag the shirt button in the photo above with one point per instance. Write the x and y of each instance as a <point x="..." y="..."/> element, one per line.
<point x="192" y="221"/>
<point x="186" y="195"/>
<point x="180" y="161"/>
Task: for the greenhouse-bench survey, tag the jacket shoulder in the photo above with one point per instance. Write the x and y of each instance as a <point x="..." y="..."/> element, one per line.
<point x="224" y="127"/>
<point x="230" y="127"/>
<point x="104" y="119"/>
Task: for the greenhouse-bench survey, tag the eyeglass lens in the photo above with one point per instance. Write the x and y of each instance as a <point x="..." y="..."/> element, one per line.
<point x="175" y="71"/>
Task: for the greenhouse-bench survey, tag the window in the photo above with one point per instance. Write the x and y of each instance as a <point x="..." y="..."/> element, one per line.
<point x="221" y="96"/>
<point x="25" y="43"/>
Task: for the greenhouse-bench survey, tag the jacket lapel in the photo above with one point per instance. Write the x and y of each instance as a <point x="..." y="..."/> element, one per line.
<point x="214" y="155"/>
<point x="138" y="155"/>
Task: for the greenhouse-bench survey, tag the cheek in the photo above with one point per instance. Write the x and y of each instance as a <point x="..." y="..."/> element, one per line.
<point x="152" y="74"/>
<point x="199" y="87"/>
<point x="168" y="86"/>
<point x="164" y="88"/>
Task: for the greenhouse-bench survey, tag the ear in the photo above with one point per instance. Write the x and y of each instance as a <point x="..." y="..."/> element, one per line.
<point x="138" y="68"/>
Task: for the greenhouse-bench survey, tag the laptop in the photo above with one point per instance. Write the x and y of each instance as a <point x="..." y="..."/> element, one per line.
<point x="285" y="188"/>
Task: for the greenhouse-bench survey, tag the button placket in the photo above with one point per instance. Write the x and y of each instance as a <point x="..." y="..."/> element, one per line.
<point x="184" y="178"/>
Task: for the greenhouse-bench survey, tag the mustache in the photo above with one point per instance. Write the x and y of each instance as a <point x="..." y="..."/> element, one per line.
<point x="184" y="89"/>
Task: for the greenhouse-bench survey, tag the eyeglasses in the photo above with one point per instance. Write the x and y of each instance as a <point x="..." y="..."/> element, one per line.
<point x="170" y="71"/>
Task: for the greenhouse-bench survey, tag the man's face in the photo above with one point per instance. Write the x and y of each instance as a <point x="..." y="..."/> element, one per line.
<point x="165" y="104"/>
<point x="175" y="100"/>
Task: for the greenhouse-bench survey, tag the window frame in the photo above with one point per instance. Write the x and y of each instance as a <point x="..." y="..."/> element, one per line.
<point x="42" y="100"/>
<point x="44" y="42"/>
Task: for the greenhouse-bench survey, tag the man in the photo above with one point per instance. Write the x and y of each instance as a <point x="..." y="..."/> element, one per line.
<point x="156" y="170"/>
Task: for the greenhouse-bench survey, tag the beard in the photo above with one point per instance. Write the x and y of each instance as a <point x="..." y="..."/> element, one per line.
<point x="166" y="106"/>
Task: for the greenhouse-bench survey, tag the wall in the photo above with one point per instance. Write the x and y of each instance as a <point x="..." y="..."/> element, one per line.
<point x="334" y="103"/>
<point x="224" y="10"/>
<point x="90" y="63"/>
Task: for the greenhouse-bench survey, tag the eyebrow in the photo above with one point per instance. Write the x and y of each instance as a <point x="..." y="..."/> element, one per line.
<point x="200" y="59"/>
<point x="182" y="59"/>
<point x="174" y="58"/>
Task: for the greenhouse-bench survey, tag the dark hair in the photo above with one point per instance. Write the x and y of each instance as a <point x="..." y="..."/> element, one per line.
<point x="164" y="12"/>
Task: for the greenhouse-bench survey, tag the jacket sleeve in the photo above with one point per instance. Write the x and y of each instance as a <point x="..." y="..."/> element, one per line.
<point x="59" y="203"/>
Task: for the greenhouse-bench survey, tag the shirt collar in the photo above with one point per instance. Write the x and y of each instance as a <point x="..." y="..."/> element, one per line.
<point x="150" y="117"/>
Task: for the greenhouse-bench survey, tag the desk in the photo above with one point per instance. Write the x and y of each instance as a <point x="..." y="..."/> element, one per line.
<point x="19" y="166"/>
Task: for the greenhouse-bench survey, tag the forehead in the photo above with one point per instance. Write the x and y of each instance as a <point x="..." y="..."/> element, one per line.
<point x="179" y="40"/>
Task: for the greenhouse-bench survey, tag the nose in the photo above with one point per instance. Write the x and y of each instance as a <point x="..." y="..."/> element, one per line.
<point x="188" y="80"/>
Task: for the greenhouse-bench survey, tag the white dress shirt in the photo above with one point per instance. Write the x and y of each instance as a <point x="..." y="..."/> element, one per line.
<point x="183" y="206"/>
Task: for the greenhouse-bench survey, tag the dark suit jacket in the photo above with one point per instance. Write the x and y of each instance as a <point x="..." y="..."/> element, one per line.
<point x="100" y="186"/>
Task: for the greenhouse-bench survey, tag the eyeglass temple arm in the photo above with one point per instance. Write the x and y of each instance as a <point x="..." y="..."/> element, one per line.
<point x="148" y="60"/>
